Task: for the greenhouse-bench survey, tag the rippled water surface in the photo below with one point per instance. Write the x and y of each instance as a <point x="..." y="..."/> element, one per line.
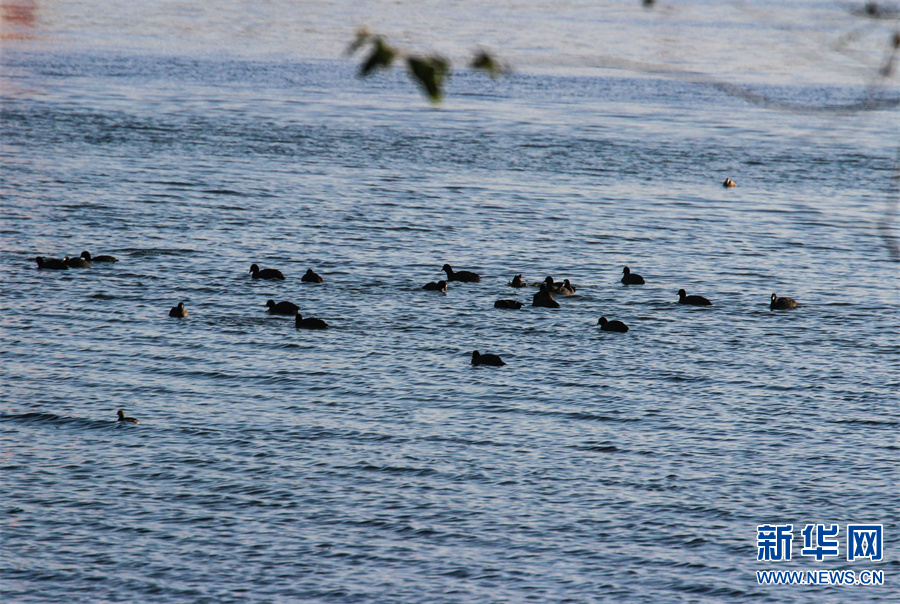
<point x="372" y="462"/>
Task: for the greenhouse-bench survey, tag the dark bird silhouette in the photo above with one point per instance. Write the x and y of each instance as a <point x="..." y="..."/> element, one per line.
<point x="272" y="274"/>
<point x="510" y="304"/>
<point x="782" y="303"/>
<point x="612" y="325"/>
<point x="282" y="308"/>
<point x="683" y="298"/>
<point x="517" y="282"/>
<point x="565" y="288"/>
<point x="311" y="277"/>
<point x="544" y="298"/>
<point x="309" y="323"/>
<point x="179" y="312"/>
<point x="464" y="276"/>
<point x="486" y="359"/>
<point x="729" y="183"/>
<point x="429" y="73"/>
<point x="76" y="262"/>
<point x="381" y="57"/>
<point x="130" y="420"/>
<point x="629" y="278"/>
<point x="53" y="264"/>
<point x="554" y="287"/>
<point x="486" y="62"/>
<point x="439" y="286"/>
<point x="87" y="256"/>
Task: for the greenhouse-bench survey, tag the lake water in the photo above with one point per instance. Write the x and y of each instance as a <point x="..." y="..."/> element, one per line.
<point x="372" y="462"/>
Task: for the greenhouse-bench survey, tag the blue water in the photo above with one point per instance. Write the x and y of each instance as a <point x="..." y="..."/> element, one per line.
<point x="371" y="462"/>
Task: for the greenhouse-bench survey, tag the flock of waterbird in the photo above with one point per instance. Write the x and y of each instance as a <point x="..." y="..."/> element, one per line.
<point x="543" y="298"/>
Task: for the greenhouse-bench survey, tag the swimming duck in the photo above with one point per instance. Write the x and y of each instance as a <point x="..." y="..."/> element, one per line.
<point x="76" y="262"/>
<point x="309" y="323"/>
<point x="565" y="288"/>
<point x="130" y="420"/>
<point x="439" y="286"/>
<point x="87" y="256"/>
<point x="612" y="325"/>
<point x="53" y="264"/>
<point x="729" y="183"/>
<point x="544" y="298"/>
<point x="510" y="304"/>
<point x="464" y="276"/>
<point x="683" y="298"/>
<point x="517" y="282"/>
<point x="282" y="308"/>
<point x="554" y="287"/>
<point x="179" y="312"/>
<point x="311" y="277"/>
<point x="272" y="274"/>
<point x="486" y="359"/>
<point x="782" y="303"/>
<point x="629" y="278"/>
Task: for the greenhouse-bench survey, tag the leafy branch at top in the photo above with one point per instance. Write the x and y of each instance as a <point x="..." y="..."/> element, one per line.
<point x="429" y="72"/>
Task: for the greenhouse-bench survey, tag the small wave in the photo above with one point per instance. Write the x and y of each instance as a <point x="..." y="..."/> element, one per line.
<point x="53" y="419"/>
<point x="161" y="251"/>
<point x="578" y="415"/>
<point x="399" y="470"/>
<point x="464" y="441"/>
<point x="717" y="592"/>
<point x="600" y="448"/>
<point x="869" y="422"/>
<point x="224" y="192"/>
<point x="174" y="183"/>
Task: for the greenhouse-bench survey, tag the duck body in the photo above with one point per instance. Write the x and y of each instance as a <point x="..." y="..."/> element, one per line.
<point x="464" y="276"/>
<point x="436" y="286"/>
<point x="282" y="308"/>
<point x="102" y="258"/>
<point x="129" y="420"/>
<point x="309" y="323"/>
<point x="551" y="284"/>
<point x="510" y="304"/>
<point x="77" y="262"/>
<point x="486" y="359"/>
<point x="555" y="287"/>
<point x="544" y="298"/>
<point x="729" y="183"/>
<point x="517" y="282"/>
<point x="683" y="298"/>
<point x="782" y="303"/>
<point x="565" y="288"/>
<point x="311" y="277"/>
<point x="178" y="312"/>
<point x="53" y="264"/>
<point x="270" y="274"/>
<point x="629" y="278"/>
<point x="614" y="325"/>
